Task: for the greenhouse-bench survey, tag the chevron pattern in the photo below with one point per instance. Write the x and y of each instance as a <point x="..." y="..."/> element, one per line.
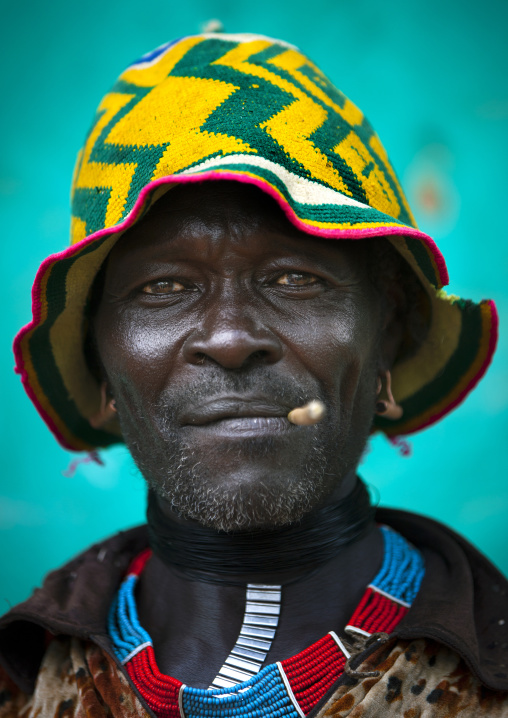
<point x="220" y="95"/>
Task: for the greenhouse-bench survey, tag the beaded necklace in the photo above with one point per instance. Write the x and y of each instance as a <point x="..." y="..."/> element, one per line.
<point x="286" y="689"/>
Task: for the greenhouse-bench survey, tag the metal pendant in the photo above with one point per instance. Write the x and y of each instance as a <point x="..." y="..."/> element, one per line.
<point x="262" y="609"/>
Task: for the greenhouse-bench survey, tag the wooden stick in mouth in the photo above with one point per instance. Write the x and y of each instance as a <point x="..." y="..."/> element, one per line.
<point x="311" y="413"/>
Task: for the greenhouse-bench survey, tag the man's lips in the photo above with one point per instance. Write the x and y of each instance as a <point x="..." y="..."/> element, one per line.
<point x="232" y="408"/>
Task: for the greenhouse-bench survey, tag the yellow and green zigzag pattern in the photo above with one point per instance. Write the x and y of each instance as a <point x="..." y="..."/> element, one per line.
<point x="215" y="96"/>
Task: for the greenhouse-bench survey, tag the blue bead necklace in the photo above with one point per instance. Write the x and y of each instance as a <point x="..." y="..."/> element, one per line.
<point x="286" y="689"/>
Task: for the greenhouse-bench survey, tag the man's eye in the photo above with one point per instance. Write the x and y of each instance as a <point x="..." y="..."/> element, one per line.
<point x="164" y="286"/>
<point x="297" y="279"/>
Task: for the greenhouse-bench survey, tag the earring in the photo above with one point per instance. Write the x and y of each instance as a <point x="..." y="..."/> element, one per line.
<point x="107" y="411"/>
<point x="387" y="409"/>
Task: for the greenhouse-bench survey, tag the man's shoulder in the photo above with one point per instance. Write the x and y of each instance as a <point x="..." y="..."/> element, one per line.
<point x="458" y="558"/>
<point x="463" y="598"/>
<point x="80" y="583"/>
<point x="73" y="600"/>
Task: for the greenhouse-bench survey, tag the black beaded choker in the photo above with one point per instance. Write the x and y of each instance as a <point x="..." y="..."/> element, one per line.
<point x="203" y="554"/>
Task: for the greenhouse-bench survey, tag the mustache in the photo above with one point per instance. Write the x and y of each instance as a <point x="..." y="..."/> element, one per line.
<point x="260" y="384"/>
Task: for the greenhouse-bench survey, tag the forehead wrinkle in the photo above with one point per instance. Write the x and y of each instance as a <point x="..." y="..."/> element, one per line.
<point x="224" y="204"/>
<point x="221" y="218"/>
<point x="205" y="239"/>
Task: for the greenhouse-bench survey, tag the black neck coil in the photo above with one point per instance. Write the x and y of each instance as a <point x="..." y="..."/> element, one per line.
<point x="204" y="554"/>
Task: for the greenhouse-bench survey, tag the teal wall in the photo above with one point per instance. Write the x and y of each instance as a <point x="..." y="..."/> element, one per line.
<point x="431" y="77"/>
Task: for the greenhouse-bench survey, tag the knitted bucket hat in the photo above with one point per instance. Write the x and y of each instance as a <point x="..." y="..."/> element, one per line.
<point x="254" y="110"/>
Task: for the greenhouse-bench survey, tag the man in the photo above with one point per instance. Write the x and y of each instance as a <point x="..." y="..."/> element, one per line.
<point x="210" y="292"/>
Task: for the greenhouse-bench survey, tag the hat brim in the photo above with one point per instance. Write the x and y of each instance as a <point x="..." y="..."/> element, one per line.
<point x="49" y="351"/>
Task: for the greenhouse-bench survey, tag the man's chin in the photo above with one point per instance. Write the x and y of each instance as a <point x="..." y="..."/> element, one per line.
<point x="257" y="505"/>
<point x="259" y="485"/>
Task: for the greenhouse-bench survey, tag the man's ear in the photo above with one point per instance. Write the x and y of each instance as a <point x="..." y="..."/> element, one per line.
<point x="391" y="339"/>
<point x="107" y="411"/>
<point x="389" y="347"/>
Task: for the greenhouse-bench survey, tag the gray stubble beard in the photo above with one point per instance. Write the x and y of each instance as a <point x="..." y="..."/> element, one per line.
<point x="190" y="491"/>
<point x="172" y="471"/>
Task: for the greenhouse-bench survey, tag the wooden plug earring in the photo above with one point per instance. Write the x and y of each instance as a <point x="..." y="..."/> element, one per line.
<point x="387" y="408"/>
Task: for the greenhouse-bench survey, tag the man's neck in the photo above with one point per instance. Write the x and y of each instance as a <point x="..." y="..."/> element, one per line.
<point x="195" y="623"/>
<point x="274" y="555"/>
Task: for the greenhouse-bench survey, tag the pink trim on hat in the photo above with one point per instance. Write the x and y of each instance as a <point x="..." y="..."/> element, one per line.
<point x="265" y="186"/>
<point x="20" y="369"/>
<point x="396" y="230"/>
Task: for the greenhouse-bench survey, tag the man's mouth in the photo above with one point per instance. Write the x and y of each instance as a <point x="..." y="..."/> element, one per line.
<point x="240" y="416"/>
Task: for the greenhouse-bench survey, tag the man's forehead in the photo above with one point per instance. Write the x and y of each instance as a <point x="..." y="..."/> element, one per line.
<point x="187" y="218"/>
<point x="221" y="201"/>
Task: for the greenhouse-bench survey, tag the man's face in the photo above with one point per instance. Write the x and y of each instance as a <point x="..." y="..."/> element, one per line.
<point x="217" y="318"/>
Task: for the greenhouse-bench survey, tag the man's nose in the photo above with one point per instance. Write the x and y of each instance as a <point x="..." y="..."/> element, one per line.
<point x="233" y="341"/>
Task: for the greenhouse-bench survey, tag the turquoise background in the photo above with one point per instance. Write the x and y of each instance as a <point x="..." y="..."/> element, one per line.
<point x="431" y="77"/>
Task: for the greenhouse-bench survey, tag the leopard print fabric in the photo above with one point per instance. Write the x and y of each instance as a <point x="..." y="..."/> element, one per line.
<point x="416" y="679"/>
<point x="76" y="680"/>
